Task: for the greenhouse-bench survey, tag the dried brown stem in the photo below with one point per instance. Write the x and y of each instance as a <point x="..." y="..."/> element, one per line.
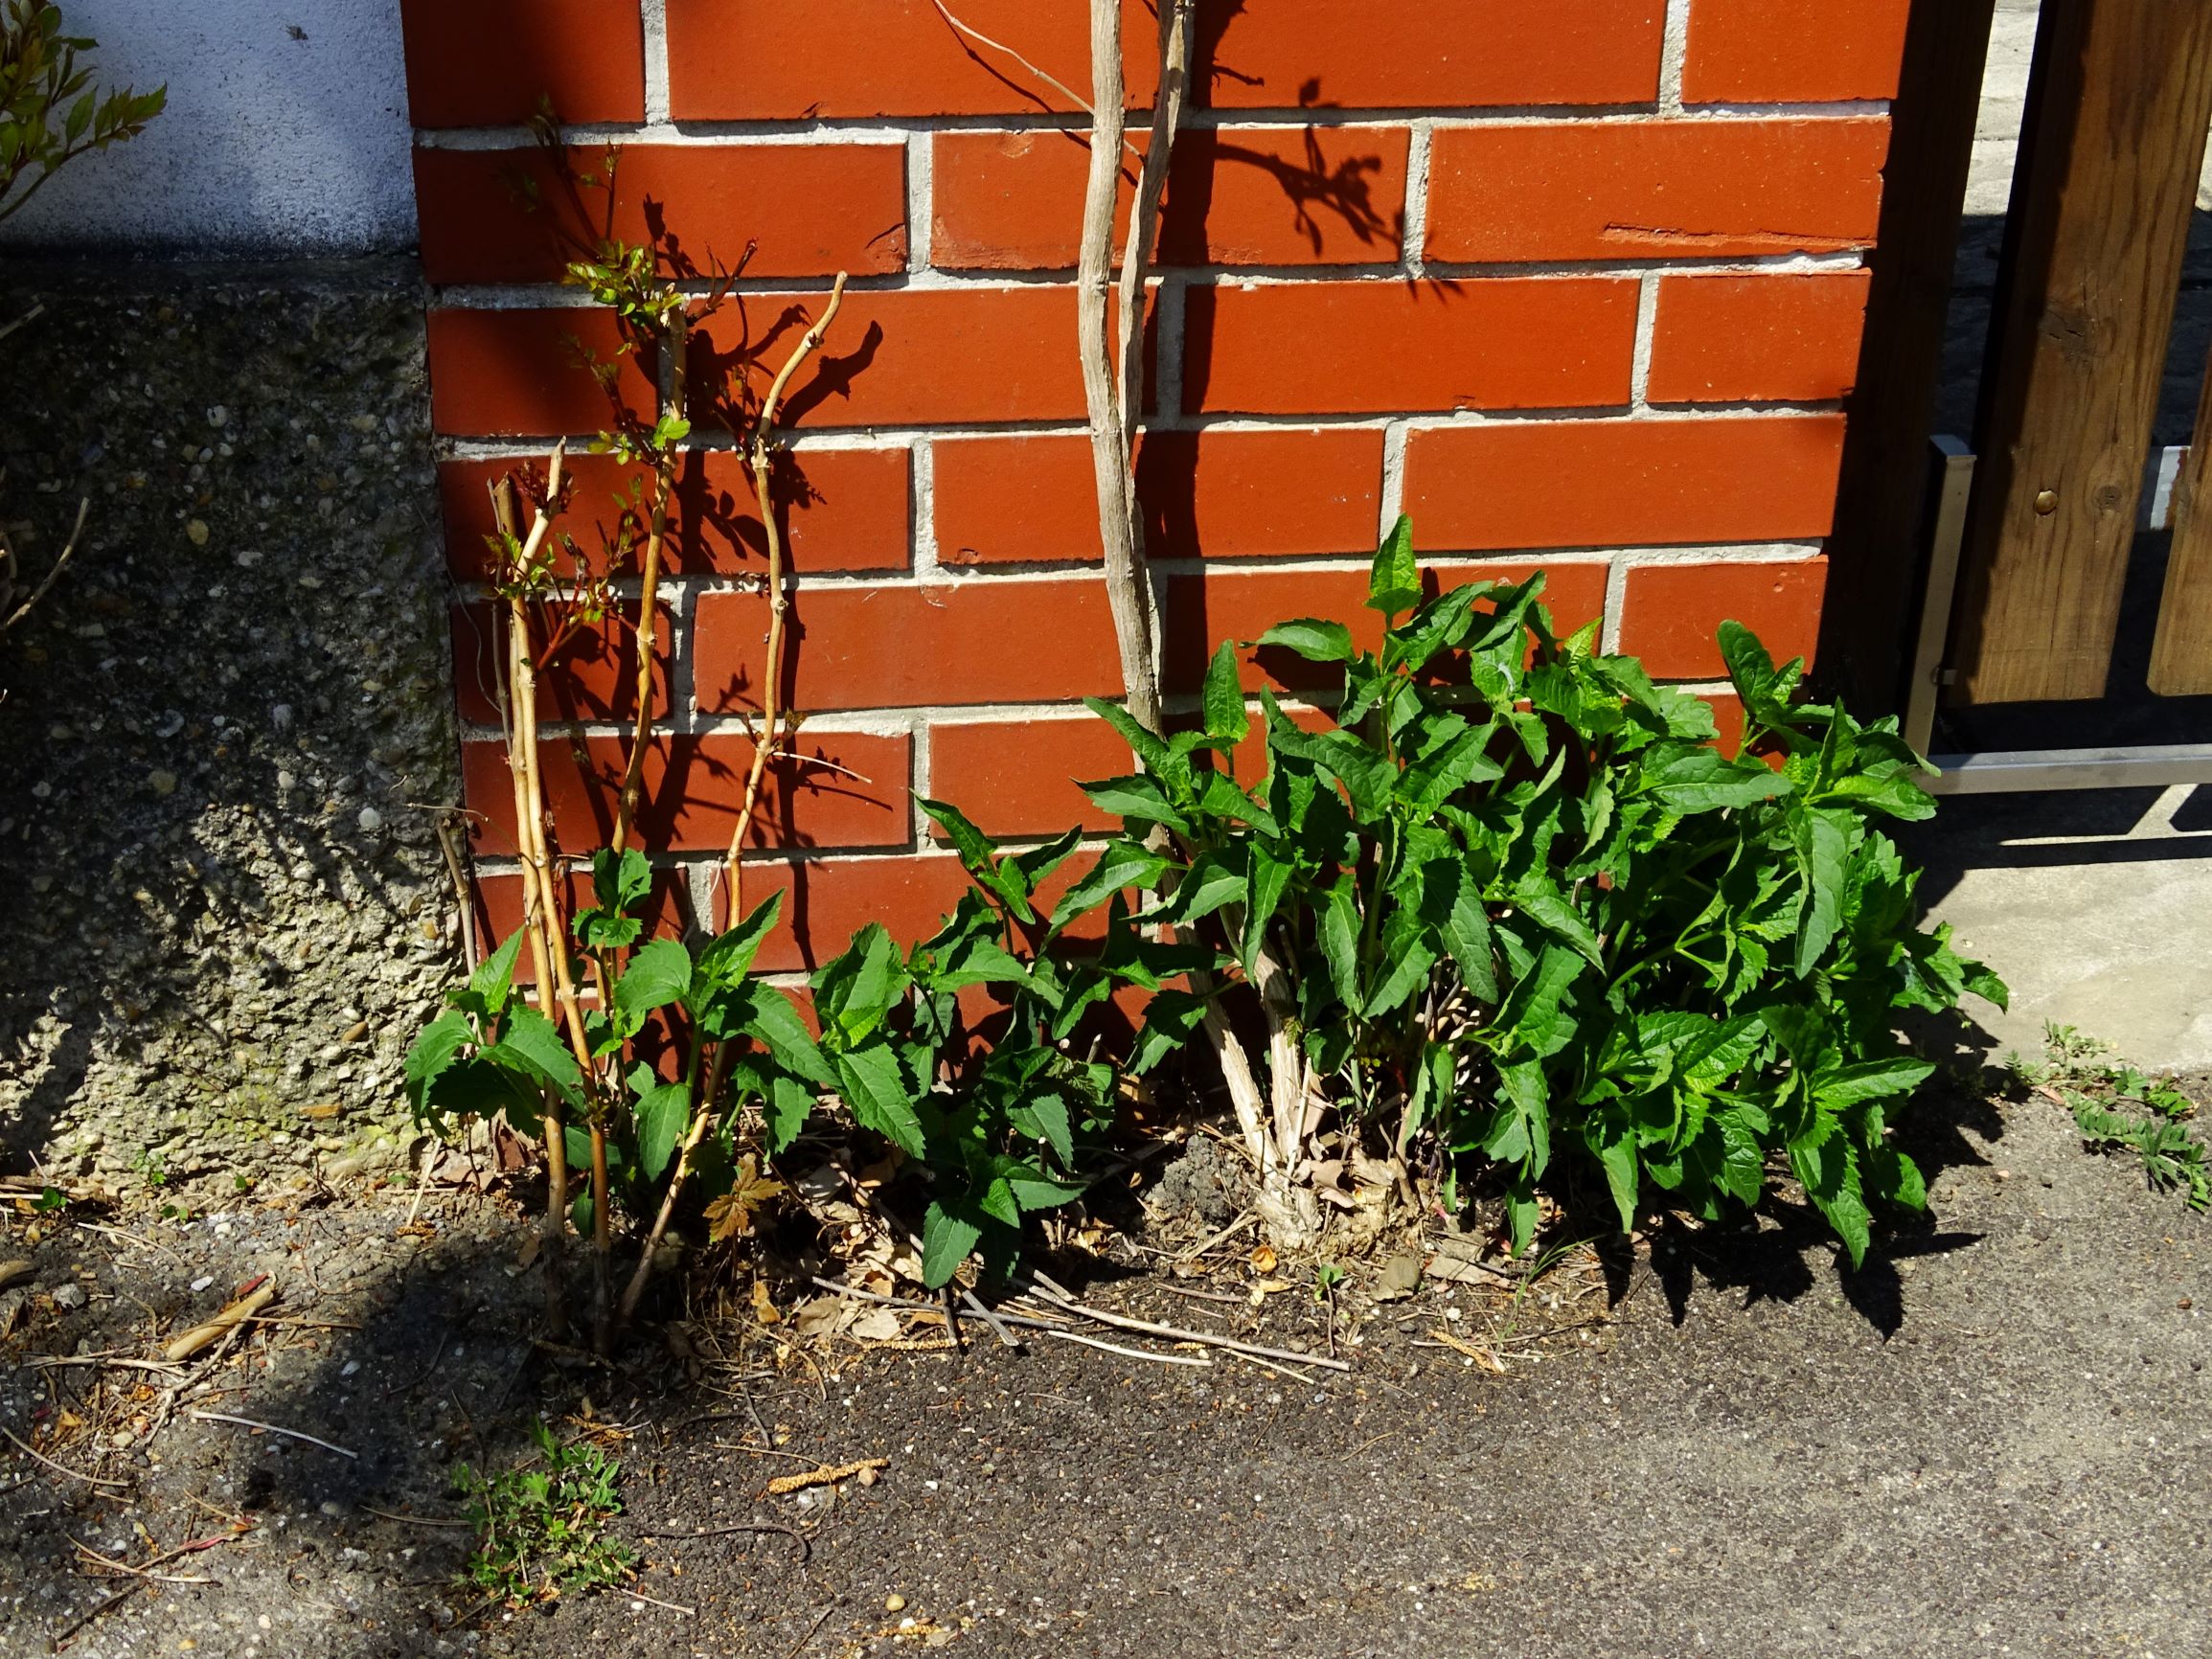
<point x="521" y="720"/>
<point x="762" y="455"/>
<point x="649" y="601"/>
<point x="779" y="602"/>
<point x="68" y="551"/>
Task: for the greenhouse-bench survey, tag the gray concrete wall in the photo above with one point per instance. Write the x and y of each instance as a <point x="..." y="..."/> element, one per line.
<point x="285" y="135"/>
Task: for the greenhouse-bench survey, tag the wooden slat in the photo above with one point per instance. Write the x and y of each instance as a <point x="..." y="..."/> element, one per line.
<point x="2110" y="156"/>
<point x="2182" y="655"/>
<point x="1875" y="553"/>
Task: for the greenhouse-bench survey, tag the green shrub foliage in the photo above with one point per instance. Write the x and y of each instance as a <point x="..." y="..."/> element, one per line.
<point x="1528" y="908"/>
<point x="1518" y="910"/>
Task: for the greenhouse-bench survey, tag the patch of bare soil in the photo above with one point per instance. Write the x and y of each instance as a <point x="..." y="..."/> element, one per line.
<point x="1994" y="1438"/>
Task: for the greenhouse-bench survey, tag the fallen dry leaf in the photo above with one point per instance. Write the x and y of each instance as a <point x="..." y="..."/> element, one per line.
<point x="764" y="1308"/>
<point x="1263" y="1260"/>
<point x="1401" y="1278"/>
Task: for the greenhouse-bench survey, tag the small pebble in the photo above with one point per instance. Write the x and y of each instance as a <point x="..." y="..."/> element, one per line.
<point x="203" y="1282"/>
<point x="68" y="1296"/>
<point x="894" y="1603"/>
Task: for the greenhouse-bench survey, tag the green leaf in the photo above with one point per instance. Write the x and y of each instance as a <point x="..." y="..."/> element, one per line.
<point x="434" y="1051"/>
<point x="1049" y="1111"/>
<point x="1270" y="877"/>
<point x="1543" y="904"/>
<point x="621" y="880"/>
<point x="1140" y="798"/>
<point x="1205" y="888"/>
<point x="1035" y="1190"/>
<point x="1121" y="865"/>
<point x="875" y="1086"/>
<point x="788" y="1106"/>
<point x="1823" y="851"/>
<point x="1698" y="780"/>
<point x="1340" y="941"/>
<point x="1169" y="1021"/>
<point x="1311" y="638"/>
<point x="1533" y="1018"/>
<point x="1394" y="583"/>
<point x="767" y="1015"/>
<point x="664" y="1115"/>
<point x="979" y="857"/>
<point x="948" y="1239"/>
<point x="658" y="974"/>
<point x="531" y="1044"/>
<point x="1616" y="1150"/>
<point x="730" y="958"/>
<point x="494" y="980"/>
<point x="1899" y="796"/>
<point x="1880" y="1079"/>
<point x="1226" y="719"/>
<point x="1149" y="747"/>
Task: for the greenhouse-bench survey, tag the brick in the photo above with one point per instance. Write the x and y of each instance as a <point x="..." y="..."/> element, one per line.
<point x="593" y="677"/>
<point x="1758" y="339"/>
<point x="1216" y="494"/>
<point x="1633" y="189"/>
<point x="1383" y="348"/>
<point x="827" y="901"/>
<point x="1625" y="483"/>
<point x="1670" y="613"/>
<point x="807" y="209"/>
<point x="519" y="374"/>
<point x="1243" y="196"/>
<point x="965" y="357"/>
<point x="799" y="60"/>
<point x="842" y="509"/>
<point x="993" y="640"/>
<point x="1018" y="777"/>
<point x="1428" y="54"/>
<point x="493" y="62"/>
<point x="1202" y="611"/>
<point x="1793" y="51"/>
<point x="693" y="786"/>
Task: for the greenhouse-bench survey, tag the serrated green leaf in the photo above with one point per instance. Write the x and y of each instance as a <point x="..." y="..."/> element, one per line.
<point x="874" y="1087"/>
<point x="786" y="1108"/>
<point x="494" y="980"/>
<point x="664" y="1116"/>
<point x="1394" y="583"/>
<point x="531" y="1044"/>
<point x="658" y="974"/>
<point x="435" y="1049"/>
<point x="948" y="1236"/>
<point x="1124" y="864"/>
<point x="730" y="958"/>
<point x="1315" y="640"/>
<point x="767" y="1015"/>
<point x="1226" y="719"/>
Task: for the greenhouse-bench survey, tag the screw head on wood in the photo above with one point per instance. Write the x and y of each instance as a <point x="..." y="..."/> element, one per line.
<point x="2047" y="503"/>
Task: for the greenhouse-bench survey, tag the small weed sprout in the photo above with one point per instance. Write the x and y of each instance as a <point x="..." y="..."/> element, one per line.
<point x="541" y="1533"/>
<point x="2118" y="1108"/>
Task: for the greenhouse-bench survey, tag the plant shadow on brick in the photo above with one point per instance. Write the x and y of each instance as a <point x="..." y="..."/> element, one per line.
<point x="1510" y="908"/>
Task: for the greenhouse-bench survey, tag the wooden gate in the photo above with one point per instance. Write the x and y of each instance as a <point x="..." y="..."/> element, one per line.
<point x="2034" y="531"/>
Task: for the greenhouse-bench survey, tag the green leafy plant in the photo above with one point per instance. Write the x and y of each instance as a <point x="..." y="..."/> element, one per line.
<point x="50" y="111"/>
<point x="648" y="1135"/>
<point x="989" y="1099"/>
<point x="2119" y="1109"/>
<point x="541" y="1531"/>
<point x="1506" y="901"/>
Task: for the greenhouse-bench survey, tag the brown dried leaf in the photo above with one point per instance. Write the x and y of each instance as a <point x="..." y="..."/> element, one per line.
<point x="732" y="1213"/>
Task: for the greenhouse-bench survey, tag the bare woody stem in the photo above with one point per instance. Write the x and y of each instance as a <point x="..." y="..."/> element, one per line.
<point x="764" y="461"/>
<point x="649" y="600"/>
<point x="521" y="683"/>
<point x="761" y="453"/>
<point x="1128" y="592"/>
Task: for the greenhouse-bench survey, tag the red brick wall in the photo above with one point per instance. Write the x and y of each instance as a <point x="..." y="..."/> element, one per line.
<point x="1577" y="283"/>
